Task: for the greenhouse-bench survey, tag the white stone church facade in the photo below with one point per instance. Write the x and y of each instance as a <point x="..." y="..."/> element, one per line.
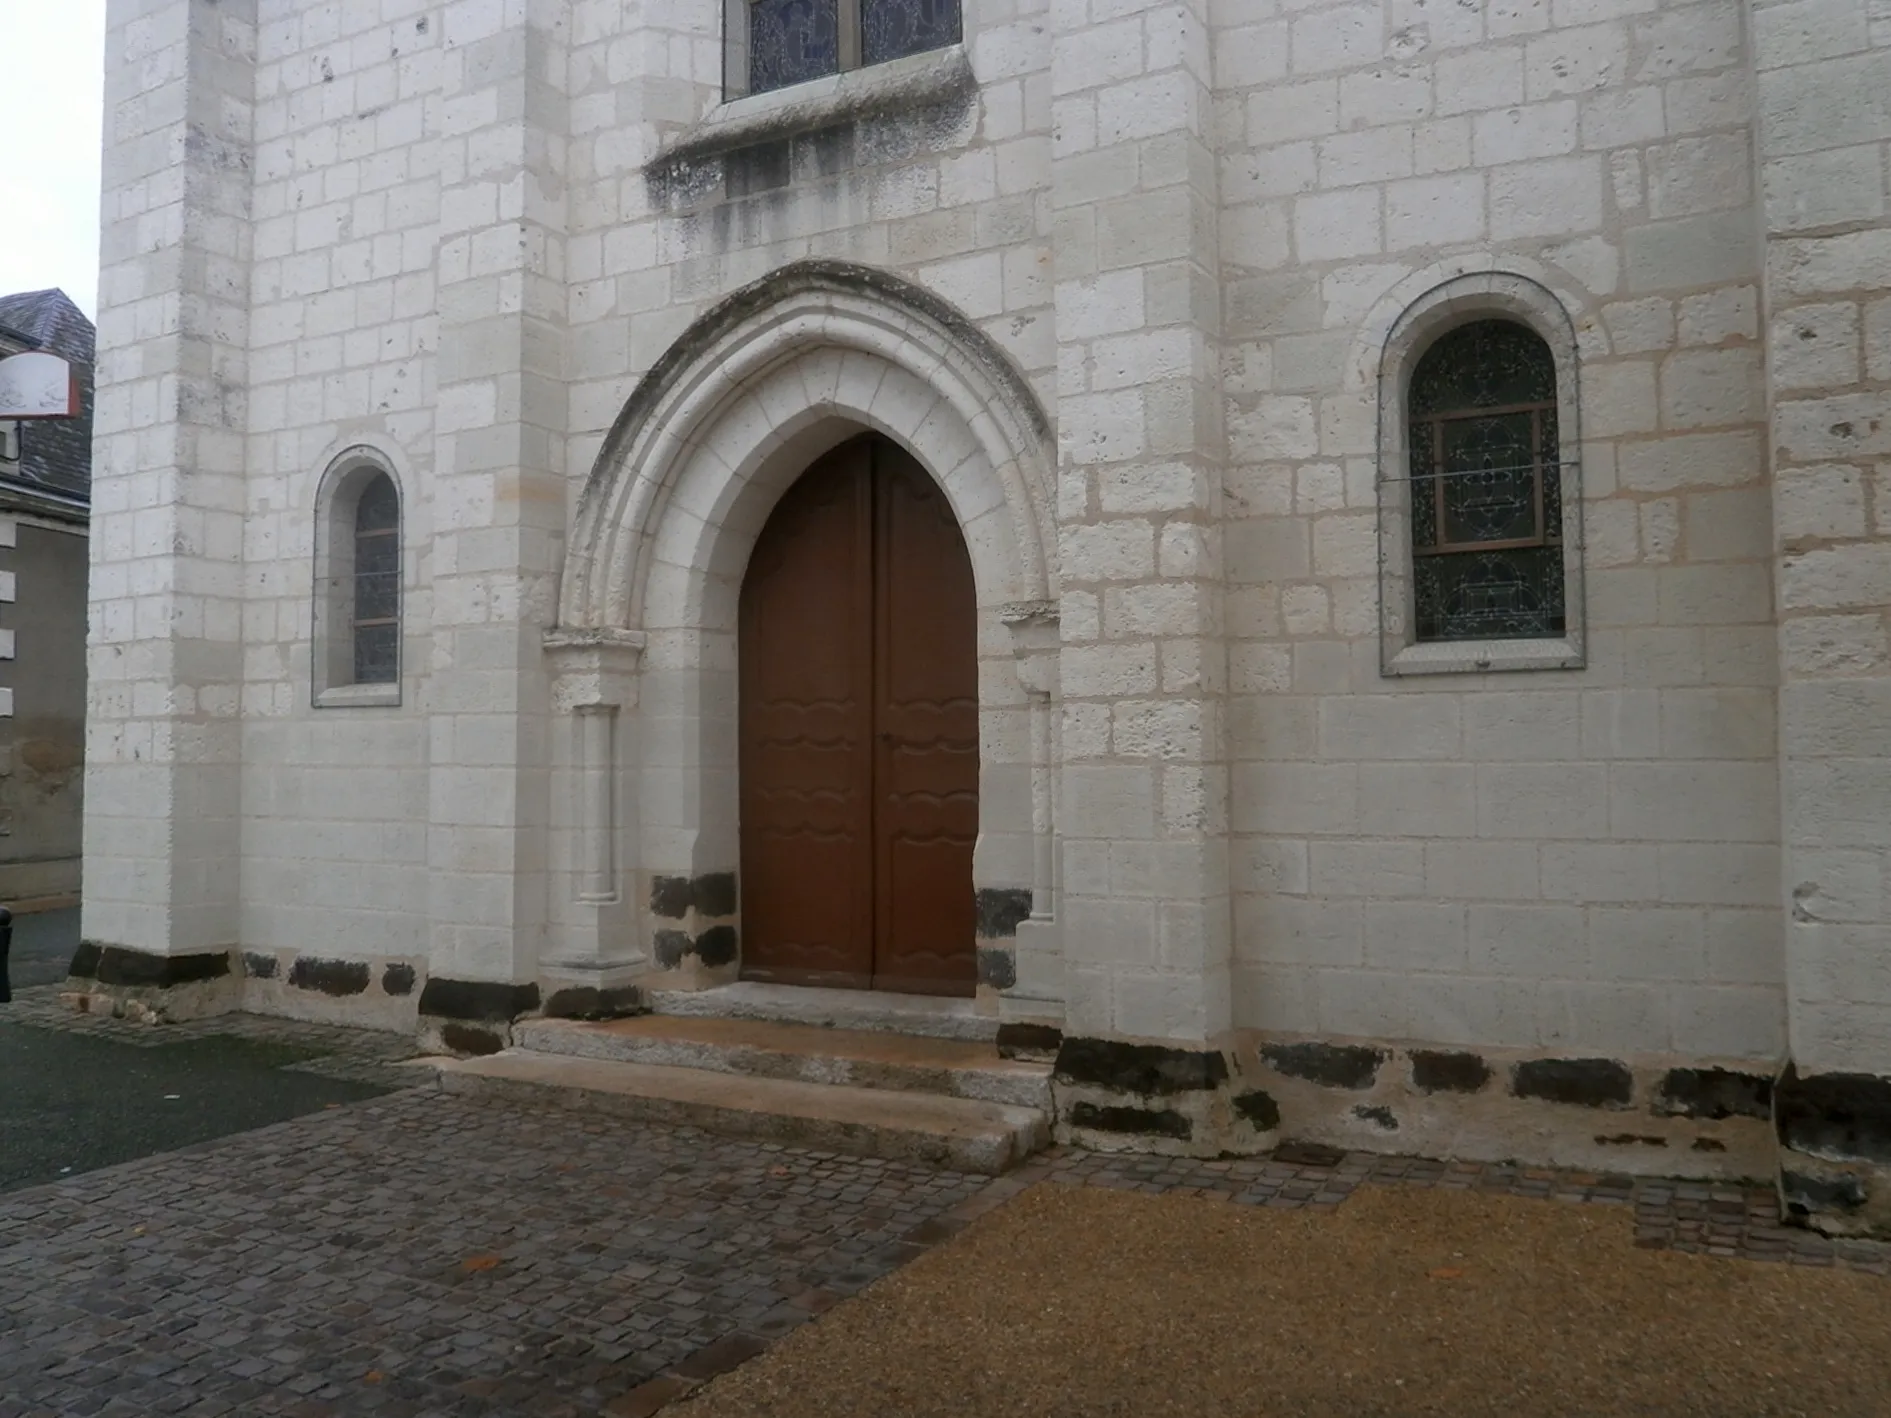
<point x="1419" y="478"/>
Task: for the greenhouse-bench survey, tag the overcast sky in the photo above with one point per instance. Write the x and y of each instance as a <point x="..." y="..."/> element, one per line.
<point x="50" y="96"/>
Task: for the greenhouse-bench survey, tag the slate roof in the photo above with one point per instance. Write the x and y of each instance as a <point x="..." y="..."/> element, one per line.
<point x="55" y="454"/>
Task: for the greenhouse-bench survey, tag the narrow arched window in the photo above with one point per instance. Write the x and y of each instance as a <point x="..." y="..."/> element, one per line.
<point x="377" y="583"/>
<point x="1486" y="487"/>
<point x="357" y="621"/>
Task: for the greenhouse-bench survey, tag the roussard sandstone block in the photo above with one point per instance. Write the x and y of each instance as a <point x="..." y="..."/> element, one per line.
<point x="1574" y="759"/>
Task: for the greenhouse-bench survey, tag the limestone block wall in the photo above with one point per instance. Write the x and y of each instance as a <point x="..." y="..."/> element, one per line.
<point x="343" y="328"/>
<point x="1822" y="132"/>
<point x="169" y="493"/>
<point x="1578" y="860"/>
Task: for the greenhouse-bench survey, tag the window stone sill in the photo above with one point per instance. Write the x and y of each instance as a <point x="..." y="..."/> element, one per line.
<point x="917" y="81"/>
<point x="1485" y="657"/>
<point x="359" y="696"/>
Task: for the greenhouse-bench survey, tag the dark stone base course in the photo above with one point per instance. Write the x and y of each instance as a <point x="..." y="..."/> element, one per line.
<point x="1834" y="1115"/>
<point x="1259" y="1108"/>
<point x="1017" y="1040"/>
<point x="714" y="947"/>
<point x="1714" y="1094"/>
<point x="711" y="895"/>
<point x="717" y="946"/>
<point x="997" y="967"/>
<point x="398" y="979"/>
<point x="1448" y="1071"/>
<point x="1588" y="1083"/>
<point x="1151" y="1070"/>
<point x="471" y="1039"/>
<point x="586" y="1002"/>
<point x="115" y="965"/>
<point x="1142" y="1122"/>
<point x="484" y="1001"/>
<point x="1353" y="1066"/>
<point x="258" y="966"/>
<point x="1001" y="910"/>
<point x="330" y="977"/>
<point x="1807" y="1196"/>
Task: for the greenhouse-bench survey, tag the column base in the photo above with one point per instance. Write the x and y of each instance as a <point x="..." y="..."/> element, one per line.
<point x="157" y="989"/>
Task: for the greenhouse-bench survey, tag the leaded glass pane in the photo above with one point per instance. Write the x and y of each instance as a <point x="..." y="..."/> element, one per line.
<point x="791" y="41"/>
<point x="1486" y="364"/>
<point x="892" y="29"/>
<point x="1486" y="495"/>
<point x="377" y="595"/>
<point x="1499" y="595"/>
<point x="377" y="583"/>
<point x="379" y="509"/>
<point x="377" y="653"/>
<point x="1491" y="495"/>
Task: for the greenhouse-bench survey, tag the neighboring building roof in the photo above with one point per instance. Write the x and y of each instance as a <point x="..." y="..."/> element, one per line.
<point x="55" y="454"/>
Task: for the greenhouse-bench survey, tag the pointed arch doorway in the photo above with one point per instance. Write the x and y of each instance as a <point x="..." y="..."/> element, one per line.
<point x="858" y="732"/>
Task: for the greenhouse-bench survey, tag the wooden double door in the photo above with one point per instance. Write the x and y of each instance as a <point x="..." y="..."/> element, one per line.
<point x="858" y="732"/>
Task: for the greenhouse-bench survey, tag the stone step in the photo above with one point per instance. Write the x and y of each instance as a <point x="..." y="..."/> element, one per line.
<point x="931" y="1016"/>
<point x="960" y="1133"/>
<point x="853" y="1058"/>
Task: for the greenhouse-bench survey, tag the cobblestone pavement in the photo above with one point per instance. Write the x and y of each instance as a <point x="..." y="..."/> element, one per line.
<point x="356" y="1055"/>
<point x="426" y="1255"/>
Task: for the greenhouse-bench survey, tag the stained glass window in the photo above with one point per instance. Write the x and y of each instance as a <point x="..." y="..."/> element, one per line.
<point x="1487" y="515"/>
<point x="892" y="29"/>
<point x="791" y="41"/>
<point x="377" y="583"/>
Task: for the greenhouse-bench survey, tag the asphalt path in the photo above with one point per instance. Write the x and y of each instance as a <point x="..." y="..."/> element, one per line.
<point x="72" y="1102"/>
<point x="42" y="946"/>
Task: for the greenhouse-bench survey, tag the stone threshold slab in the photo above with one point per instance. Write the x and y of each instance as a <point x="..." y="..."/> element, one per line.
<point x="807" y="1053"/>
<point x="962" y="1134"/>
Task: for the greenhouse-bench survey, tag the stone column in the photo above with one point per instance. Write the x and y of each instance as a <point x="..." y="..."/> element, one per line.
<point x="1822" y="67"/>
<point x="1143" y="666"/>
<point x="162" y="845"/>
<point x="1036" y="994"/>
<point x="595" y="952"/>
<point x="499" y="491"/>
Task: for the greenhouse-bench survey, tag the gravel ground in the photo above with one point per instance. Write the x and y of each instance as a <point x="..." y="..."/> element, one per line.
<point x="1081" y="1300"/>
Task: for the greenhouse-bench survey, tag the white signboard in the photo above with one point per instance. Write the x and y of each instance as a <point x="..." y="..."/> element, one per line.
<point x="37" y="386"/>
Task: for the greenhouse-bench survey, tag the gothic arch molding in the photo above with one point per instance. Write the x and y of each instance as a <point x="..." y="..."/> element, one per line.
<point x="865" y="348"/>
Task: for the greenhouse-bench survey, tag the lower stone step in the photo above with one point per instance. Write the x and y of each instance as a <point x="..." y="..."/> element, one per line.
<point x="854" y="1058"/>
<point x="963" y="1134"/>
<point x="934" y="1016"/>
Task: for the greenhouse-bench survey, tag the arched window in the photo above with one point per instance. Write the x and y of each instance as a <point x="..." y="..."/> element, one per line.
<point x="1486" y="487"/>
<point x="375" y="615"/>
<point x="1480" y="483"/>
<point x="357" y="631"/>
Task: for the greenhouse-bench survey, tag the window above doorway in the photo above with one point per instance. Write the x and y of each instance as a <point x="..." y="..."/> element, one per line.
<point x="774" y="44"/>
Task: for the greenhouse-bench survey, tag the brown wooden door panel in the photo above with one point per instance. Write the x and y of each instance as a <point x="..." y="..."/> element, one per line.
<point x="926" y="735"/>
<point x="805" y="721"/>
<point x="859" y="732"/>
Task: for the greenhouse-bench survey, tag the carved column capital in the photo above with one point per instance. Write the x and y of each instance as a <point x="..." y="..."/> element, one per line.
<point x="1034" y="641"/>
<point x="593" y="668"/>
